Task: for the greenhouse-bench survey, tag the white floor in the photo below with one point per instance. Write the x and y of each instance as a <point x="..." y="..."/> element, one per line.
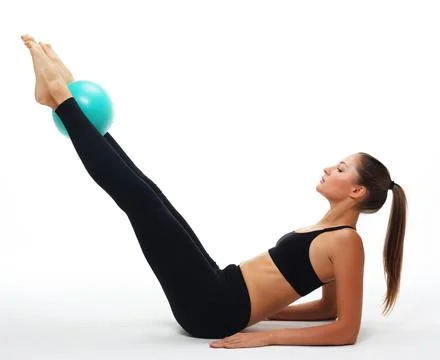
<point x="214" y="101"/>
<point x="131" y="324"/>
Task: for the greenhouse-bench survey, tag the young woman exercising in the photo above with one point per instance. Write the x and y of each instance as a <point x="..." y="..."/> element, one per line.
<point x="209" y="302"/>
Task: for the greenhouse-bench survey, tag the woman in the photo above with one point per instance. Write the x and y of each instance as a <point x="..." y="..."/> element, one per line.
<point x="210" y="302"/>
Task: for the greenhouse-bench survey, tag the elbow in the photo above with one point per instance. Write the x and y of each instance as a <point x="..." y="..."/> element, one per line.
<point x="349" y="341"/>
<point x="349" y="336"/>
<point x="346" y="340"/>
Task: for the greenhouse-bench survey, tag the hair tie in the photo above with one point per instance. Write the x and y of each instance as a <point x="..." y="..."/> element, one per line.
<point x="392" y="185"/>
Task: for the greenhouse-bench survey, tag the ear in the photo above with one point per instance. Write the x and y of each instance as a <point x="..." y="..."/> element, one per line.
<point x="358" y="191"/>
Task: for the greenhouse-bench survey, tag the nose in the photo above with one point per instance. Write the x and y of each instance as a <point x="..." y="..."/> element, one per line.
<point x="326" y="170"/>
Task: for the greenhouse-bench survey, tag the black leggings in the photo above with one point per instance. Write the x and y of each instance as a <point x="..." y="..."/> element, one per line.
<point x="206" y="301"/>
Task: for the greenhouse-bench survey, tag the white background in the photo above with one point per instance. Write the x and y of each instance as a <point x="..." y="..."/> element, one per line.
<point x="233" y="108"/>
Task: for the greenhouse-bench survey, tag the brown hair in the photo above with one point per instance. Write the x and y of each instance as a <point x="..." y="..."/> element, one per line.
<point x="376" y="178"/>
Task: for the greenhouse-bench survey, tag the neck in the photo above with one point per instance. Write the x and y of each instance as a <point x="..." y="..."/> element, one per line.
<point x="340" y="214"/>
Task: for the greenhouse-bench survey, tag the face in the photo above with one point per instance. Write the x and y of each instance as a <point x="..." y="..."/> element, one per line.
<point x="339" y="181"/>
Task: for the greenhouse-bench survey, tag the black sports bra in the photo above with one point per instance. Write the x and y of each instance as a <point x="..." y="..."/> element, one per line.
<point x="291" y="256"/>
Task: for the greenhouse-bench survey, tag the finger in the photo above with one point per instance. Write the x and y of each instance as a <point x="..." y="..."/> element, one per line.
<point x="216" y="344"/>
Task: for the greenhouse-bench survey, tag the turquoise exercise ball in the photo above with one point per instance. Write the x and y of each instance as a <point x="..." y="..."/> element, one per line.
<point x="94" y="102"/>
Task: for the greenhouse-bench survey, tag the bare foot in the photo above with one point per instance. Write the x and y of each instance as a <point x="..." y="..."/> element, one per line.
<point x="64" y="71"/>
<point x="50" y="87"/>
<point x="42" y="94"/>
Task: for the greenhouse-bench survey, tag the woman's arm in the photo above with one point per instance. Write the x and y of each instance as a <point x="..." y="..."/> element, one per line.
<point x="335" y="333"/>
<point x="348" y="262"/>
<point x="316" y="310"/>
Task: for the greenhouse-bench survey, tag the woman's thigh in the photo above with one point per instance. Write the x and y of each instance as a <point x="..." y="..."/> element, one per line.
<point x="181" y="268"/>
<point x="205" y="301"/>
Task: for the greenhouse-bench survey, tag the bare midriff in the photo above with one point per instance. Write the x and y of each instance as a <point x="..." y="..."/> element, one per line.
<point x="269" y="291"/>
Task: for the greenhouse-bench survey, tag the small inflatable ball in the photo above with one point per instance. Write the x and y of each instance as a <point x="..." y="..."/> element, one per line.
<point x="94" y="102"/>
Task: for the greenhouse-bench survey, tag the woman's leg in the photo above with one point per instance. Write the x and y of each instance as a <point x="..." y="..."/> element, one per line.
<point x="67" y="76"/>
<point x="159" y="193"/>
<point x="194" y="288"/>
<point x="202" y="298"/>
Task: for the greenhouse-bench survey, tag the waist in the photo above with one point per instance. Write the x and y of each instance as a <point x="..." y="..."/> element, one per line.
<point x="269" y="290"/>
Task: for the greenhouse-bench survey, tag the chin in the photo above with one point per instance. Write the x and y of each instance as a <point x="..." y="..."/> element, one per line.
<point x="318" y="188"/>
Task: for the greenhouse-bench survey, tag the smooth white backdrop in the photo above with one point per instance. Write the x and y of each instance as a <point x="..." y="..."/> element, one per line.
<point x="233" y="109"/>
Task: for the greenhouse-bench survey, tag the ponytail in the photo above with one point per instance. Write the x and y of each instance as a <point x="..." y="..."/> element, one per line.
<point x="393" y="247"/>
<point x="376" y="178"/>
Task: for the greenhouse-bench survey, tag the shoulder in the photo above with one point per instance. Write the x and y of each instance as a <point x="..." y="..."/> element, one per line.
<point x="347" y="240"/>
<point x="347" y="251"/>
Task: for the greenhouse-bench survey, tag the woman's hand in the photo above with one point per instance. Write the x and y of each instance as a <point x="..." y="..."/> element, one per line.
<point x="243" y="340"/>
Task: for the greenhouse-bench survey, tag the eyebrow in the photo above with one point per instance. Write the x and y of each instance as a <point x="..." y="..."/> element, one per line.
<point x="343" y="162"/>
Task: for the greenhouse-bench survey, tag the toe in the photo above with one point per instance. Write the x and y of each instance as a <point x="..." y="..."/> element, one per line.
<point x="30" y="44"/>
<point x="29" y="41"/>
<point x="27" y="37"/>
